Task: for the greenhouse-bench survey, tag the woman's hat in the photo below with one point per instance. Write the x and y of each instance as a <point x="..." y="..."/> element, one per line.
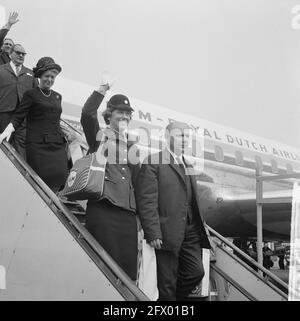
<point x="44" y="64"/>
<point x="120" y="102"/>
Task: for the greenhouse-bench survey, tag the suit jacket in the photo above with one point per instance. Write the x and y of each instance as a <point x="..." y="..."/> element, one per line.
<point x="162" y="203"/>
<point x="12" y="87"/>
<point x="4" y="57"/>
<point x="119" y="178"/>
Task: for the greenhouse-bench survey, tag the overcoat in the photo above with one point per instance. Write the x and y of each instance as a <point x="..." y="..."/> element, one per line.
<point x="45" y="142"/>
<point x="120" y="173"/>
<point x="12" y="87"/>
<point x="112" y="220"/>
<point x="162" y="201"/>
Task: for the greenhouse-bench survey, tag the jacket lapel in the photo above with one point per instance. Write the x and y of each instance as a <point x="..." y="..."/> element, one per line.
<point x="192" y="176"/>
<point x="23" y="71"/>
<point x="8" y="68"/>
<point x="194" y="184"/>
<point x="169" y="160"/>
<point x="109" y="136"/>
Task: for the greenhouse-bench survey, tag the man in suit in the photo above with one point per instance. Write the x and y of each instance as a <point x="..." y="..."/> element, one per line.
<point x="6" y="44"/>
<point x="170" y="215"/>
<point x="15" y="79"/>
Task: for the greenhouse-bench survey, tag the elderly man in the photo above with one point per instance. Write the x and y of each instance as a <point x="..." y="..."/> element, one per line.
<point x="15" y="79"/>
<point x="169" y="209"/>
<point x="6" y="43"/>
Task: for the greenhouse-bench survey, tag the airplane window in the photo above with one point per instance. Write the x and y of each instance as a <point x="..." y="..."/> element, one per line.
<point x="258" y="161"/>
<point x="289" y="169"/>
<point x="274" y="166"/>
<point x="239" y="158"/>
<point x="219" y="155"/>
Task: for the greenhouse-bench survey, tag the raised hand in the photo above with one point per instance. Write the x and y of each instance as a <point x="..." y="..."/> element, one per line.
<point x="103" y="89"/>
<point x="107" y="79"/>
<point x="106" y="82"/>
<point x="13" y="18"/>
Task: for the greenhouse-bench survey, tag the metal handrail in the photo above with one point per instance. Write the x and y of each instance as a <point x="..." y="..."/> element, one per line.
<point x="249" y="259"/>
<point x="40" y="186"/>
<point x="78" y="131"/>
<point x="71" y="126"/>
<point x="234" y="283"/>
<point x="278" y="177"/>
<point x="260" y="201"/>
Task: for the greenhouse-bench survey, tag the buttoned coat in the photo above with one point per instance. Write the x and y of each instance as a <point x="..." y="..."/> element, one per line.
<point x="112" y="220"/>
<point x="120" y="174"/>
<point x="162" y="202"/>
<point x="12" y="87"/>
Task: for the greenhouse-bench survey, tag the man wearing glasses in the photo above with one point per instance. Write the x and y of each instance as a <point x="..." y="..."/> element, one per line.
<point x="6" y="43"/>
<point x="15" y="79"/>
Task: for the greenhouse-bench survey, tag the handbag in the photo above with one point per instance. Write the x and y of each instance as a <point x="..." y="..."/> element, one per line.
<point x="86" y="178"/>
<point x="147" y="271"/>
<point x="147" y="278"/>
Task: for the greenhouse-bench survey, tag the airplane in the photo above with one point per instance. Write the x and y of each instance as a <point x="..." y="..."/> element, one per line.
<point x="228" y="160"/>
<point x="227" y="182"/>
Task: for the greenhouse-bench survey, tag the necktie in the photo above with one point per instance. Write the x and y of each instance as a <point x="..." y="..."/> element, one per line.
<point x="189" y="188"/>
<point x="181" y="164"/>
<point x="18" y="70"/>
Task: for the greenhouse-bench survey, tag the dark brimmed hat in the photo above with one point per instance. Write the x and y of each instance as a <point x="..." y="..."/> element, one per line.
<point x="44" y="64"/>
<point x="120" y="102"/>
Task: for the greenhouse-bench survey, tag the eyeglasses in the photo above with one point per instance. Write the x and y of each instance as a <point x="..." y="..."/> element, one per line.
<point x="20" y="53"/>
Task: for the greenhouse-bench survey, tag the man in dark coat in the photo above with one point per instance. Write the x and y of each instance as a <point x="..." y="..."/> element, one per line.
<point x="6" y="44"/>
<point x="15" y="79"/>
<point x="169" y="209"/>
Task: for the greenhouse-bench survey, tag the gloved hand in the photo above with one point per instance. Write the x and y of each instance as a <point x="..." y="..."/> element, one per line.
<point x="107" y="79"/>
<point x="106" y="82"/>
<point x="7" y="133"/>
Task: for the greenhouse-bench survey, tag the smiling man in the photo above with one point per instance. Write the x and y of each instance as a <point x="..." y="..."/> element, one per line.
<point x="169" y="208"/>
<point x="15" y="79"/>
<point x="6" y="44"/>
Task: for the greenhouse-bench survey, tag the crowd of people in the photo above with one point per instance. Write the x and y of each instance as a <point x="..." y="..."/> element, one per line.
<point x="159" y="193"/>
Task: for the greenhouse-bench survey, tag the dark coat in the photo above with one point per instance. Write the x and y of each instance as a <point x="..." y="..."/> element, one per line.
<point x="112" y="219"/>
<point x="12" y="87"/>
<point x="45" y="142"/>
<point x="119" y="178"/>
<point x="162" y="201"/>
<point x="4" y="57"/>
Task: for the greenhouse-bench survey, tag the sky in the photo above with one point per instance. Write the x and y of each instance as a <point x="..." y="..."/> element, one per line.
<point x="232" y="62"/>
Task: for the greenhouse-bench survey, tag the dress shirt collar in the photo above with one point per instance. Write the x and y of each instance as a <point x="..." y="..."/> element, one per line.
<point x="14" y="68"/>
<point x="176" y="156"/>
<point x="119" y="135"/>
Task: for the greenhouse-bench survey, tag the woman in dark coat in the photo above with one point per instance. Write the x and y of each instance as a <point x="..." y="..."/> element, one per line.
<point x="45" y="143"/>
<point x="112" y="220"/>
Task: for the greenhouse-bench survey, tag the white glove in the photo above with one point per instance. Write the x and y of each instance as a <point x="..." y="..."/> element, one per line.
<point x="7" y="133"/>
<point x="107" y="79"/>
<point x="106" y="82"/>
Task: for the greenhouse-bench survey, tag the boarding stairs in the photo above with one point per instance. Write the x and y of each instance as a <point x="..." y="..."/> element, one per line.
<point x="49" y="255"/>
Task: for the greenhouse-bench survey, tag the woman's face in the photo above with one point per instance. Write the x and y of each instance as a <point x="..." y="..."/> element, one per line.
<point x="47" y="79"/>
<point x="119" y="120"/>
